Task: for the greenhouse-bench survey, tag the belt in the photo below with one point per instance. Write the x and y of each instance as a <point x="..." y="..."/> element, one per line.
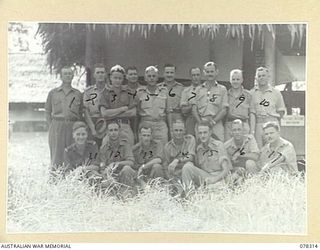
<point x="152" y="119"/>
<point x="229" y="119"/>
<point x="120" y="120"/>
<point x="63" y="119"/>
<point x="263" y="119"/>
<point x="176" y="110"/>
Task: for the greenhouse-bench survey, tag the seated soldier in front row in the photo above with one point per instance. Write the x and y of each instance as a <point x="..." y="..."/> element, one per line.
<point x="116" y="157"/>
<point x="81" y="153"/>
<point x="242" y="150"/>
<point x="212" y="163"/>
<point x="278" y="154"/>
<point x="148" y="156"/>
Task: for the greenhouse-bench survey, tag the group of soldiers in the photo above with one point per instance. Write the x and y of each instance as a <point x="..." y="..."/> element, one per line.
<point x="196" y="135"/>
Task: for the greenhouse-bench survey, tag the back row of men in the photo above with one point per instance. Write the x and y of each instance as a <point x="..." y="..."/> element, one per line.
<point x="159" y="106"/>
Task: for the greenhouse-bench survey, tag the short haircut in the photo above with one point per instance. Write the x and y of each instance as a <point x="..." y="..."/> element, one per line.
<point x="205" y="123"/>
<point x="274" y="125"/>
<point x="178" y="121"/>
<point x="112" y="122"/>
<point x="117" y="68"/>
<point x="262" y="69"/>
<point x="151" y="68"/>
<point x="144" y="126"/>
<point x="237" y="71"/>
<point x="169" y="65"/>
<point x="98" y="65"/>
<point x="65" y="66"/>
<point x="79" y="124"/>
<point x="131" y="68"/>
<point x="237" y="122"/>
<point x="208" y="64"/>
<point x="194" y="68"/>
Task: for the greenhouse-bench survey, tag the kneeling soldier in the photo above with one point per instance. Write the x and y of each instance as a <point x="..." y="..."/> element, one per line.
<point x="211" y="159"/>
<point x="148" y="155"/>
<point x="242" y="150"/>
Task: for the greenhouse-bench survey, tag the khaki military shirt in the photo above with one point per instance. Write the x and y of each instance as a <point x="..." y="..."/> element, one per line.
<point x="188" y="96"/>
<point x="73" y="158"/>
<point x="174" y="96"/>
<point x="114" y="153"/>
<point x="267" y="103"/>
<point x="153" y="105"/>
<point x="210" y="159"/>
<point x="210" y="102"/>
<point x="144" y="155"/>
<point x="91" y="100"/>
<point x="249" y="145"/>
<point x="61" y="105"/>
<point x="284" y="150"/>
<point x="173" y="151"/>
<point x="239" y="105"/>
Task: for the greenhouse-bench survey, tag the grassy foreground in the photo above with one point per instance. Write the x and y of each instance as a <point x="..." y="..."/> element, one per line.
<point x="263" y="204"/>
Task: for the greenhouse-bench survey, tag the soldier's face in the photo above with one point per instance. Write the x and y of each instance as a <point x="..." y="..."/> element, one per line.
<point x="271" y="134"/>
<point x="113" y="131"/>
<point x="262" y="77"/>
<point x="204" y="133"/>
<point x="80" y="136"/>
<point x="66" y="75"/>
<point x="178" y="130"/>
<point x="237" y="131"/>
<point x="151" y="77"/>
<point x="116" y="79"/>
<point x="195" y="76"/>
<point x="99" y="74"/>
<point x="169" y="74"/>
<point x="145" y="136"/>
<point x="236" y="80"/>
<point x="132" y="76"/>
<point x="210" y="73"/>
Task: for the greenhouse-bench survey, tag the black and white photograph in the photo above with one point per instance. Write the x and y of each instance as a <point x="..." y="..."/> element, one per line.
<point x="157" y="127"/>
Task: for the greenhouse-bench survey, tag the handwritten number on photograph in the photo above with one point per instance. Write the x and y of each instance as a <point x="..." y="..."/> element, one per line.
<point x="93" y="96"/>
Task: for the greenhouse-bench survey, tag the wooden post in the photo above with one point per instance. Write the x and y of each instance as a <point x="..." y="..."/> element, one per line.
<point x="270" y="55"/>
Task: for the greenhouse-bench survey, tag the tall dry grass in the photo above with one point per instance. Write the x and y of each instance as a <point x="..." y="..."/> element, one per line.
<point x="263" y="204"/>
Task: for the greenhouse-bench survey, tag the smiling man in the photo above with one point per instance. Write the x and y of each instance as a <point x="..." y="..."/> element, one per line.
<point x="212" y="164"/>
<point x="278" y="153"/>
<point x="211" y="100"/>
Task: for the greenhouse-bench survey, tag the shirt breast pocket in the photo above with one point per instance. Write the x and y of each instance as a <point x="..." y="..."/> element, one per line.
<point x="75" y="105"/>
<point x="57" y="106"/>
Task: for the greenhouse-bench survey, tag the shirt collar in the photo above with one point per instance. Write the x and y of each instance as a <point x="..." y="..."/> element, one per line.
<point x="212" y="144"/>
<point x="231" y="92"/>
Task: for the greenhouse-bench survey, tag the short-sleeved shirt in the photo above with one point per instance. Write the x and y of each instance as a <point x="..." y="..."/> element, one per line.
<point x="61" y="105"/>
<point x="188" y="95"/>
<point x="73" y="158"/>
<point x="174" y="96"/>
<point x="91" y="100"/>
<point x="239" y="105"/>
<point x="286" y="150"/>
<point x="211" y="101"/>
<point x="267" y="103"/>
<point x="173" y="151"/>
<point x="112" y="100"/>
<point x="249" y="145"/>
<point x="110" y="153"/>
<point x="143" y="155"/>
<point x="152" y="105"/>
<point x="210" y="159"/>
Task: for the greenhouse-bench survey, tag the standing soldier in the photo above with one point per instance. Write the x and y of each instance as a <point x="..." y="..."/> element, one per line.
<point x="267" y="105"/>
<point x="91" y="102"/>
<point x="133" y="85"/>
<point x="118" y="105"/>
<point x="63" y="108"/>
<point x="187" y="99"/>
<point x="211" y="101"/>
<point x="212" y="163"/>
<point x="239" y="103"/>
<point x="153" y="106"/>
<point x="174" y="89"/>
